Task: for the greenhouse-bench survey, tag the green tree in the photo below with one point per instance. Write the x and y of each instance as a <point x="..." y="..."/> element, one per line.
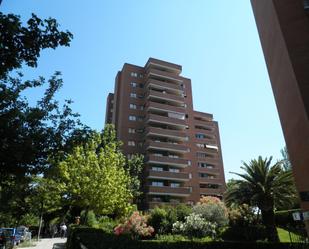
<point x="96" y="179"/>
<point x="30" y="134"/>
<point x="23" y="44"/>
<point x="265" y="186"/>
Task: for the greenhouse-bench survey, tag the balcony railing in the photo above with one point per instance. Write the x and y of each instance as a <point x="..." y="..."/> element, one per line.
<point x="176" y="134"/>
<point x="164" y="107"/>
<point x="167" y="175"/>
<point x="165" y="96"/>
<point x="165" y="146"/>
<point x="165" y="160"/>
<point x="164" y="85"/>
<point x="151" y="72"/>
<point x="167" y="190"/>
<point x="212" y="191"/>
<point x="165" y="120"/>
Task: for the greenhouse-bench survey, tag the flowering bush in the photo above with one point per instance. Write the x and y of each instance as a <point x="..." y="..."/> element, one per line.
<point x="136" y="226"/>
<point x="213" y="210"/>
<point x="195" y="226"/>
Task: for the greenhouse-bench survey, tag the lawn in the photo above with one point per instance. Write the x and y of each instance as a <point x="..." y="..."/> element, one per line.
<point x="284" y="235"/>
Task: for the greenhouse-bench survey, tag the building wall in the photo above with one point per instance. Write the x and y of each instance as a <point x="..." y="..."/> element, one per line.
<point x="159" y="92"/>
<point x="283" y="27"/>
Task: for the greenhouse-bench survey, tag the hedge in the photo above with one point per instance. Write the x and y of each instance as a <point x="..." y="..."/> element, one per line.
<point x="91" y="238"/>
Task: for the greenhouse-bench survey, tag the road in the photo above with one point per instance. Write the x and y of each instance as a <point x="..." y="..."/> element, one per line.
<point x="55" y="243"/>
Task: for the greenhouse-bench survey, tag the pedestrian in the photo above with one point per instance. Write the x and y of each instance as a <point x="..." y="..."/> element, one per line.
<point x="63" y="230"/>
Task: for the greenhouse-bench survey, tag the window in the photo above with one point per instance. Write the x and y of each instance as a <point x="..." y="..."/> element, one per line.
<point x="132" y="118"/>
<point x="213" y="186"/>
<point x="133" y="74"/>
<point x="176" y="115"/>
<point x="130" y="156"/>
<point x="141" y="85"/>
<point x="131" y="143"/>
<point x="140" y="131"/>
<point x="203" y="155"/>
<point x="133" y="84"/>
<point x="140" y="144"/>
<point x="133" y="95"/>
<point x="205" y="165"/>
<point x="156" y="199"/>
<point x="200" y="145"/>
<point x="156" y="168"/>
<point x="141" y="75"/>
<point x="157" y="184"/>
<point x="175" y="185"/>
<point x="205" y="175"/>
<point x="200" y="135"/>
<point x="174" y="170"/>
<point x="132" y="106"/>
<point x="132" y="130"/>
<point x="140" y="118"/>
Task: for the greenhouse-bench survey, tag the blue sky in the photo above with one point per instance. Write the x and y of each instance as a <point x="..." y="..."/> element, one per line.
<point x="216" y="42"/>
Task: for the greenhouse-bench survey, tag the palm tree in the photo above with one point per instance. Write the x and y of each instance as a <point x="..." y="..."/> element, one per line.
<point x="265" y="187"/>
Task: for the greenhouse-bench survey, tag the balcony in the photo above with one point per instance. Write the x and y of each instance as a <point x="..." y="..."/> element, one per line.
<point x="151" y="72"/>
<point x="165" y="160"/>
<point x="211" y="191"/>
<point x="210" y="180"/>
<point x="166" y="120"/>
<point x="153" y="204"/>
<point x="166" y="175"/>
<point x="160" y="132"/>
<point x="165" y="146"/>
<point x="167" y="190"/>
<point x="162" y="85"/>
<point x="209" y="126"/>
<point x="164" y="107"/>
<point x="165" y="96"/>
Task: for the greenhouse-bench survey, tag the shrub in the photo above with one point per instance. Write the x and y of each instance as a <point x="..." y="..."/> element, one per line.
<point x="88" y="218"/>
<point x="195" y="226"/>
<point x="107" y="224"/>
<point x="92" y="238"/>
<point x="136" y="226"/>
<point x="163" y="218"/>
<point x="212" y="212"/>
<point x="242" y="215"/>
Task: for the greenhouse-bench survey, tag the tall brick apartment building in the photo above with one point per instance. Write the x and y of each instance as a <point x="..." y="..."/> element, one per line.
<point x="283" y="27"/>
<point x="152" y="111"/>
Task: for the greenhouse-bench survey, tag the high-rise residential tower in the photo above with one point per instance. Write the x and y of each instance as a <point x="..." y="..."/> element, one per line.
<point x="153" y="114"/>
<point x="283" y="26"/>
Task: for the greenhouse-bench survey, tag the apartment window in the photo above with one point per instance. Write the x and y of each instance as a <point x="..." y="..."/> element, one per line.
<point x="205" y="175"/>
<point x="140" y="118"/>
<point x="141" y="85"/>
<point x="140" y="144"/>
<point x="205" y="165"/>
<point x="156" y="199"/>
<point x="173" y="156"/>
<point x="133" y="95"/>
<point x="133" y="84"/>
<point x="203" y="155"/>
<point x="140" y="131"/>
<point x="201" y="145"/>
<point x="200" y="135"/>
<point x="141" y="75"/>
<point x="132" y="106"/>
<point x="176" y="115"/>
<point x="140" y="96"/>
<point x="132" y="118"/>
<point x="133" y="74"/>
<point x="173" y="170"/>
<point x="156" y="168"/>
<point x="175" y="185"/>
<point x="132" y="130"/>
<point x="157" y="184"/>
<point x="212" y="186"/>
<point x="130" y="156"/>
<point x="131" y="143"/>
<point x="158" y="154"/>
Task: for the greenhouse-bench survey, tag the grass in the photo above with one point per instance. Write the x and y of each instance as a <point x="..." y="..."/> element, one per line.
<point x="284" y="235"/>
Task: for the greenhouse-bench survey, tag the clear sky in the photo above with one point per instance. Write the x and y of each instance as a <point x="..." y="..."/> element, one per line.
<point x="216" y="42"/>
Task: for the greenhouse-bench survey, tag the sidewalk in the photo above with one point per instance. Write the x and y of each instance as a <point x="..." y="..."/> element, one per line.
<point x="55" y="243"/>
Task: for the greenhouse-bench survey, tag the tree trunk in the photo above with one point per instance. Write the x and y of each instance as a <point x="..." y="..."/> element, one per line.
<point x="268" y="218"/>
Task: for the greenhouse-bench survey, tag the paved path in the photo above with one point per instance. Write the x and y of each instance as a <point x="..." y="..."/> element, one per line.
<point x="55" y="243"/>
